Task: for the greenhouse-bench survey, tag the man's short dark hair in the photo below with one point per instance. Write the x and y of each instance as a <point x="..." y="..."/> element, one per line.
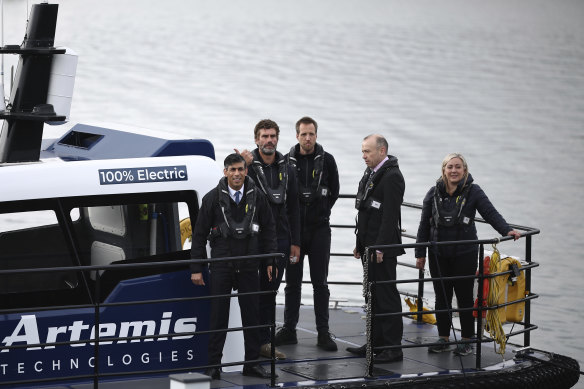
<point x="265" y="124"/>
<point x="306" y="120"/>
<point x="232" y="159"/>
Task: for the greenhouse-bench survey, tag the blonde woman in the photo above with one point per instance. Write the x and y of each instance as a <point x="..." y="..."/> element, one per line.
<point x="448" y="213"/>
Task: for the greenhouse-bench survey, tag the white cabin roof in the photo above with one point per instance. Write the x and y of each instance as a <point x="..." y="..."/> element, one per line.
<point x="54" y="178"/>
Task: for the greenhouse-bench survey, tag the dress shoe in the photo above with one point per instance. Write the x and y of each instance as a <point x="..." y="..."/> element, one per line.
<point x="256" y="371"/>
<point x="360" y="351"/>
<point x="387" y="356"/>
<point x="266" y="352"/>
<point x="214" y="373"/>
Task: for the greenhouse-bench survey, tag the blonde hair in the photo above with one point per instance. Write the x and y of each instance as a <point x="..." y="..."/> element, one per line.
<point x="450" y="157"/>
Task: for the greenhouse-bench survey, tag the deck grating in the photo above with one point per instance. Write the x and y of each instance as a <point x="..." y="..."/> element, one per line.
<point x="333" y="370"/>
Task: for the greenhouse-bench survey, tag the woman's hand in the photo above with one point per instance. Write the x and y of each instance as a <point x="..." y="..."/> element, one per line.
<point x="420" y="263"/>
<point x="516" y="235"/>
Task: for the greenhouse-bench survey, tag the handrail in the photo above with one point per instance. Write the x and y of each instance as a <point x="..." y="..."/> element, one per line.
<point x="369" y="286"/>
<point x="527" y="233"/>
<point x="97" y="305"/>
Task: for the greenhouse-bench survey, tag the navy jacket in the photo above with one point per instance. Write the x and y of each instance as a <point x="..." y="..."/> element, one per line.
<point x="379" y="218"/>
<point x="210" y="216"/>
<point x="476" y="200"/>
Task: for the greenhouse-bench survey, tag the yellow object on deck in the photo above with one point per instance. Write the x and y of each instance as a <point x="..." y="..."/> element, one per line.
<point x="503" y="289"/>
<point x="426" y="317"/>
<point x="186" y="231"/>
<point x="511" y="288"/>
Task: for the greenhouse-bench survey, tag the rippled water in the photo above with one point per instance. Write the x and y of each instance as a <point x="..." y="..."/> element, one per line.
<point x="502" y="82"/>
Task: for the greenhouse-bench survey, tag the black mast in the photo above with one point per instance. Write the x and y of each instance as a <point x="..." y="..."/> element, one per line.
<point x="27" y="110"/>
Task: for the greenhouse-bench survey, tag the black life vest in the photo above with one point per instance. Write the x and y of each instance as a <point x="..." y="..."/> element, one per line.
<point x="229" y="227"/>
<point x="366" y="185"/>
<point x="442" y="217"/>
<point x="307" y="194"/>
<point x="275" y="195"/>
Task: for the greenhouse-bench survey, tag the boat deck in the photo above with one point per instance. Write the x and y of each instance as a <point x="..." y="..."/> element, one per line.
<point x="307" y="365"/>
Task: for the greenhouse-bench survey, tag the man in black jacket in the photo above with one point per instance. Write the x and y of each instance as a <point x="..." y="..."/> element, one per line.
<point x="318" y="190"/>
<point x="276" y="178"/>
<point x="379" y="200"/>
<point x="236" y="219"/>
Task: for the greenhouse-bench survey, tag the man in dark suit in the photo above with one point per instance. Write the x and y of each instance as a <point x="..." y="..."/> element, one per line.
<point x="236" y="219"/>
<point x="379" y="200"/>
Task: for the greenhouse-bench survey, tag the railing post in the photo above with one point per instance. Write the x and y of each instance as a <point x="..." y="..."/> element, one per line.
<point x="527" y="334"/>
<point x="96" y="340"/>
<point x="273" y="326"/>
<point x="370" y="285"/>
<point x="420" y="304"/>
<point x="480" y="300"/>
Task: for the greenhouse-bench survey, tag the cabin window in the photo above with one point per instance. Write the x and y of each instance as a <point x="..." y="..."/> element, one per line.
<point x="132" y="229"/>
<point x="128" y="232"/>
<point x="88" y="231"/>
<point x="30" y="240"/>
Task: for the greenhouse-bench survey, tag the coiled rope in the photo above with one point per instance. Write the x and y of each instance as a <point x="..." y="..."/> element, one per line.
<point x="493" y="321"/>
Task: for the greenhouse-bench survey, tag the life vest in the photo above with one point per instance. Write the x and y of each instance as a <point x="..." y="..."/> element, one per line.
<point x="307" y="194"/>
<point x="506" y="287"/>
<point x="511" y="288"/>
<point x="442" y="217"/>
<point x="366" y="185"/>
<point x="275" y="195"/>
<point x="230" y="228"/>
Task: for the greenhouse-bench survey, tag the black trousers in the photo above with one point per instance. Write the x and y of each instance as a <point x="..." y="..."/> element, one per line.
<point x="387" y="330"/>
<point x="316" y="243"/>
<point x="268" y="302"/>
<point x="459" y="265"/>
<point x="222" y="280"/>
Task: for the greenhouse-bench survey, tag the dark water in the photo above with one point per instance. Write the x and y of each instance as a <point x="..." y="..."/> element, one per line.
<point x="501" y="82"/>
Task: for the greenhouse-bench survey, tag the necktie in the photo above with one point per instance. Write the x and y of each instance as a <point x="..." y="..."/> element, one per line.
<point x="237" y="195"/>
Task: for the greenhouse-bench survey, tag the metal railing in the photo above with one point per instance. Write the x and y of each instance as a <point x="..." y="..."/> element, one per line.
<point x="369" y="288"/>
<point x="96" y="305"/>
<point x="367" y="284"/>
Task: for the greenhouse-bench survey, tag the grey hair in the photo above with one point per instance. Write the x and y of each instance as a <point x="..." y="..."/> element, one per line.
<point x="380" y="141"/>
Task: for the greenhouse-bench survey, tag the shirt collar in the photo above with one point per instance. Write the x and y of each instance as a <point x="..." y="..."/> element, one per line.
<point x="376" y="168"/>
<point x="232" y="192"/>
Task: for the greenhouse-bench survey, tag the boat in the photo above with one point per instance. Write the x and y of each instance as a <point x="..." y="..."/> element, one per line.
<point x="94" y="277"/>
